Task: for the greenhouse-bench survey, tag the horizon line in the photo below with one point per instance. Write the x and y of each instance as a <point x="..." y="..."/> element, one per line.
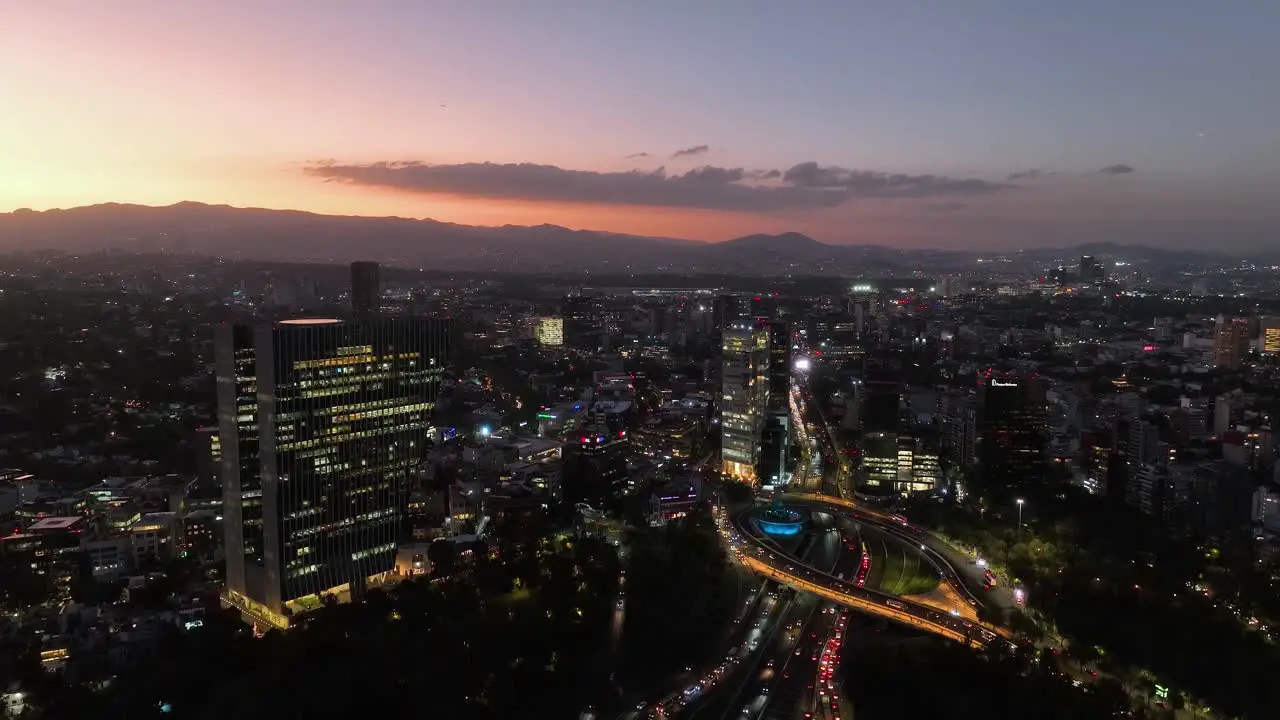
<point x="111" y="203"/>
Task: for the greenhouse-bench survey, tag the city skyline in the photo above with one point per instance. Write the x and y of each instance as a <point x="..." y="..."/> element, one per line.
<point x="950" y="129"/>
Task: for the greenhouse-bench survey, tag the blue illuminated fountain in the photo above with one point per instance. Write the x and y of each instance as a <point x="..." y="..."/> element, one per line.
<point x="779" y="519"/>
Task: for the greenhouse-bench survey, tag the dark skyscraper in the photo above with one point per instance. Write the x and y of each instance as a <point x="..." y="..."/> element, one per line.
<point x="595" y="468"/>
<point x="764" y="306"/>
<point x="366" y="289"/>
<point x="1091" y="270"/>
<point x="779" y="365"/>
<point x="321" y="423"/>
<point x="726" y="310"/>
<point x="880" y="396"/>
<point x="776" y="438"/>
<point x="1011" y="430"/>
<point x="580" y="315"/>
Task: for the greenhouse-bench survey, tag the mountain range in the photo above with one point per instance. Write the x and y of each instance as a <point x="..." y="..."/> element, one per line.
<point x="295" y="236"/>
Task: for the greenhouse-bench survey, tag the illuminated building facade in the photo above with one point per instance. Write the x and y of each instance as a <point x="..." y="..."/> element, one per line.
<point x="744" y="399"/>
<point x="667" y="437"/>
<point x="550" y="331"/>
<point x="1231" y="343"/>
<point x="1271" y="335"/>
<point x="322" y="425"/>
<point x="880" y="459"/>
<point x="919" y="467"/>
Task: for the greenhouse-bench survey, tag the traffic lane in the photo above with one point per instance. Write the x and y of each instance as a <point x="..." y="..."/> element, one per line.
<point x="768" y="604"/>
<point x="797" y="690"/>
<point x="828" y="701"/>
<point x="760" y="635"/>
<point x="846" y="566"/>
<point x="825" y="551"/>
<point x="696" y="693"/>
<point x="744" y="683"/>
<point x="775" y="687"/>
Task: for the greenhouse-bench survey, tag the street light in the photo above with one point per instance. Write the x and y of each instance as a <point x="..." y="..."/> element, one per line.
<point x="1021" y="502"/>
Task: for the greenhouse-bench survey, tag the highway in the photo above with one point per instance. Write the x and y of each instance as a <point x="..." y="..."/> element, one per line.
<point x="961" y="591"/>
<point x="962" y="580"/>
<point x="774" y="667"/>
<point x="802" y="683"/>
<point x="758" y="678"/>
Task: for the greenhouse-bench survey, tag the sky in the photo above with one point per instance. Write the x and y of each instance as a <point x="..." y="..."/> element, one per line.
<point x="974" y="123"/>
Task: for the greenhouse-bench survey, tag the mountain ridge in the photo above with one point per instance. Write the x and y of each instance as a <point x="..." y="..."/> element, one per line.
<point x="300" y="235"/>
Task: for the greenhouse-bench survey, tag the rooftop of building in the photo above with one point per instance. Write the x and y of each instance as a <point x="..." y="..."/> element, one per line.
<point x="51" y="524"/>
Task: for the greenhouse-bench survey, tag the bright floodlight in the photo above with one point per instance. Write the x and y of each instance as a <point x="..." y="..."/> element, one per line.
<point x="485" y="431"/>
<point x="802" y="364"/>
<point x="1021" y="501"/>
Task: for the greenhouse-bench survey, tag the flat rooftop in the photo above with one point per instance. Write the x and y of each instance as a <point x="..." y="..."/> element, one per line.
<point x="54" y="523"/>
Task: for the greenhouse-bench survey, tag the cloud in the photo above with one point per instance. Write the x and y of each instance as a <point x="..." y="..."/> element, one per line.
<point x="695" y="150"/>
<point x="1032" y="174"/>
<point x="867" y="183"/>
<point x="944" y="207"/>
<point x="807" y="185"/>
<point x="1117" y="170"/>
<point x="633" y="156"/>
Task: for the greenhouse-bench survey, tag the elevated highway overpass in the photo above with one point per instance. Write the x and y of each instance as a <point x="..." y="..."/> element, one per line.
<point x="764" y="557"/>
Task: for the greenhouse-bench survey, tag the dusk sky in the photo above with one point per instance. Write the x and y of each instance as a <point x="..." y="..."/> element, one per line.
<point x="962" y="124"/>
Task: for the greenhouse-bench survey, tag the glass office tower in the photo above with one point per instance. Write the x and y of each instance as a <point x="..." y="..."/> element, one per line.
<point x="321" y="424"/>
<point x="744" y="399"/>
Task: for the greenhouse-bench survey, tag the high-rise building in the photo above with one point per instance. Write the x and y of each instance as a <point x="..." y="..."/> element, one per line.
<point x="1012" y="430"/>
<point x="1270" y="335"/>
<point x="744" y="398"/>
<point x="776" y="439"/>
<point x="764" y="306"/>
<point x="960" y="428"/>
<point x="595" y="467"/>
<point x="779" y="365"/>
<point x="1230" y="343"/>
<point x="725" y="311"/>
<point x="366" y="289"/>
<point x="1143" y="442"/>
<point x="581" y="326"/>
<point x="835" y="335"/>
<point x="321" y="424"/>
<point x="1091" y="270"/>
<point x="550" y="331"/>
<point x="880" y="394"/>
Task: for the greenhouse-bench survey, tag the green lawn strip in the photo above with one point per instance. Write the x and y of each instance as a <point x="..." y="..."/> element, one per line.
<point x="913" y="576"/>
<point x="890" y="562"/>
